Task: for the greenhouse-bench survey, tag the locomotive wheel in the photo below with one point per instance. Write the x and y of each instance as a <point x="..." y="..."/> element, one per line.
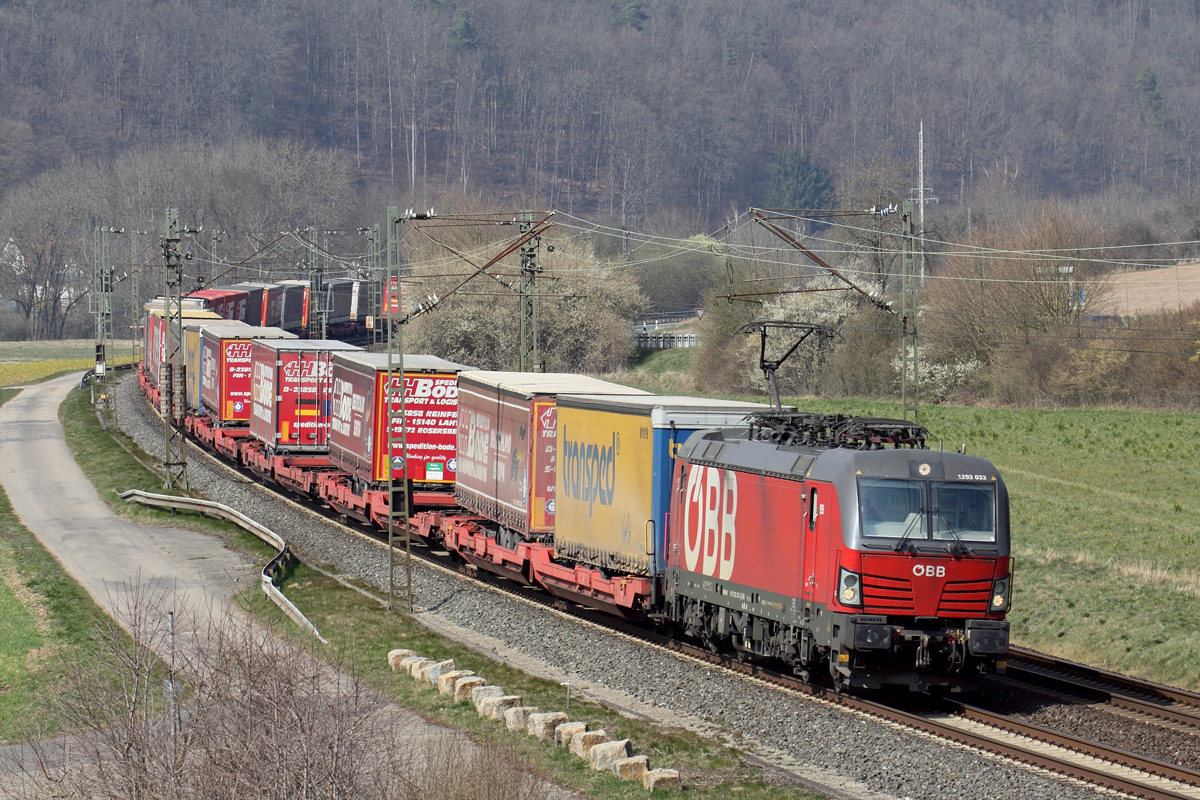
<point x="804" y="675"/>
<point x="839" y="680"/>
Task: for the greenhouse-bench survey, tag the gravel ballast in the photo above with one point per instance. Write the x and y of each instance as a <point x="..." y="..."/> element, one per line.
<point x="869" y="753"/>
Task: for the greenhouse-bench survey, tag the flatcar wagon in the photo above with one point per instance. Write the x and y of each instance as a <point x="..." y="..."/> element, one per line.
<point x="842" y="544"/>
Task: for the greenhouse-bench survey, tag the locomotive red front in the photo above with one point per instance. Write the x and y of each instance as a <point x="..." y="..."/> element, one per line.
<point x="806" y="538"/>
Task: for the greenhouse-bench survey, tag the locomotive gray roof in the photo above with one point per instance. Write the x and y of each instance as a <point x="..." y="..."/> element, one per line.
<point x="731" y="448"/>
<point x="412" y="363"/>
<point x="528" y="384"/>
<point x="683" y="411"/>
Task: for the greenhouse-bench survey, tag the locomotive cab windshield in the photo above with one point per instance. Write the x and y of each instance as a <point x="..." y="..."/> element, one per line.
<point x="920" y="501"/>
<point x="920" y="511"/>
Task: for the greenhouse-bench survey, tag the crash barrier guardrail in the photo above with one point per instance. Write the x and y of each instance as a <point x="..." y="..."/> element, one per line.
<point x="91" y="373"/>
<point x="274" y="568"/>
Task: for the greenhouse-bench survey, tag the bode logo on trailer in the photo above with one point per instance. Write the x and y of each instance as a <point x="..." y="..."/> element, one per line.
<point x="710" y="522"/>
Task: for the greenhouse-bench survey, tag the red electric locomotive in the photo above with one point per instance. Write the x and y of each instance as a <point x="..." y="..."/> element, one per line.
<point x="841" y="544"/>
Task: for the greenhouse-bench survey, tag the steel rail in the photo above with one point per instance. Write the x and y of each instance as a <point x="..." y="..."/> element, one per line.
<point x="1072" y="671"/>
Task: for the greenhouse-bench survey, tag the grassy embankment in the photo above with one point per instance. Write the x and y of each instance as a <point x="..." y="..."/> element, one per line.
<point x="46" y="623"/>
<point x="358" y="628"/>
<point x="1105" y="522"/>
<point x="30" y="362"/>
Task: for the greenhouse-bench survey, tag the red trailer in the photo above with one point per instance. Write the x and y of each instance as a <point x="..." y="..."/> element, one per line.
<point x="506" y="444"/>
<point x="265" y="305"/>
<point x="291" y="393"/>
<point x="229" y="303"/>
<point x="226" y="367"/>
<point x="358" y="432"/>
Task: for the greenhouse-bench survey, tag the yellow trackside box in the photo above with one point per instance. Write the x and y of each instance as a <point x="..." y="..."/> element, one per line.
<point x="615" y="458"/>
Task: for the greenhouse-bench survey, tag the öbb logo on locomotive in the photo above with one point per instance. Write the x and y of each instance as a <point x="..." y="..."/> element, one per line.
<point x="929" y="571"/>
<point x="712" y="502"/>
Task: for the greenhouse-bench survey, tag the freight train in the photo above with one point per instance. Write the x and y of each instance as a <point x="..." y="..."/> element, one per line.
<point x="285" y="305"/>
<point x="835" y="545"/>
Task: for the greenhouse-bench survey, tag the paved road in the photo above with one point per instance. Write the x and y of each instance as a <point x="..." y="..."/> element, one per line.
<point x="103" y="552"/>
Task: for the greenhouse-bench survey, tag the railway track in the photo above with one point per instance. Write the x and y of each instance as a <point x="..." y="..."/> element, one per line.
<point x="956" y="721"/>
<point x="1158" y="704"/>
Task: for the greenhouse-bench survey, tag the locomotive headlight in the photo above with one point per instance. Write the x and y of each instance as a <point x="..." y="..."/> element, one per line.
<point x="849" y="588"/>
<point x="1000" y="594"/>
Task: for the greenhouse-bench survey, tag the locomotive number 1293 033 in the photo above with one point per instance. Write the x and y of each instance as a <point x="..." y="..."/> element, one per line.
<point x="972" y="477"/>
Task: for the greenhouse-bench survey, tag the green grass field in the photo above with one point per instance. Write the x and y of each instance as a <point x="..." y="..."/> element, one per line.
<point x="1105" y="514"/>
<point x="29" y="362"/>
<point x="58" y="350"/>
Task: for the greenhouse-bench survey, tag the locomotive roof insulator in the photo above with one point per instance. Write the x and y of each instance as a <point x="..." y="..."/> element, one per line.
<point x="835" y="430"/>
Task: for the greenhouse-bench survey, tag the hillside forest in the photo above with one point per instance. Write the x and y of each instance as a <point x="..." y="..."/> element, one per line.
<point x="1060" y="147"/>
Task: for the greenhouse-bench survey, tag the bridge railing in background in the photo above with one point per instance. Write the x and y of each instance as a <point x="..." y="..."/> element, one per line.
<point x="666" y="341"/>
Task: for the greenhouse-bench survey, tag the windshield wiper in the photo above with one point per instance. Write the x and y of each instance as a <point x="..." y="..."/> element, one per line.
<point x="962" y="548"/>
<point x="908" y="531"/>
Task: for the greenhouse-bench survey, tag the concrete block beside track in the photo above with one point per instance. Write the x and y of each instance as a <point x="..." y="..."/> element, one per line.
<point x="542" y="724"/>
<point x="447" y="680"/>
<point x="397" y="656"/>
<point x="661" y="779"/>
<point x="565" y="732"/>
<point x="434" y="671"/>
<point x="495" y="707"/>
<point x="582" y="743"/>
<point x="479" y="693"/>
<point x="464" y="686"/>
<point x="603" y="756"/>
<point x="417" y="664"/>
<point x="517" y="719"/>
<point x="632" y="768"/>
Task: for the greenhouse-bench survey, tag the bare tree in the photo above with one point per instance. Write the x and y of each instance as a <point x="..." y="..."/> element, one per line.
<point x="255" y="717"/>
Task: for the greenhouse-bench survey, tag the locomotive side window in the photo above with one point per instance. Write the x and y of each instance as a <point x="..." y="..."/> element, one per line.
<point x="967" y="510"/>
<point x="892" y="509"/>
